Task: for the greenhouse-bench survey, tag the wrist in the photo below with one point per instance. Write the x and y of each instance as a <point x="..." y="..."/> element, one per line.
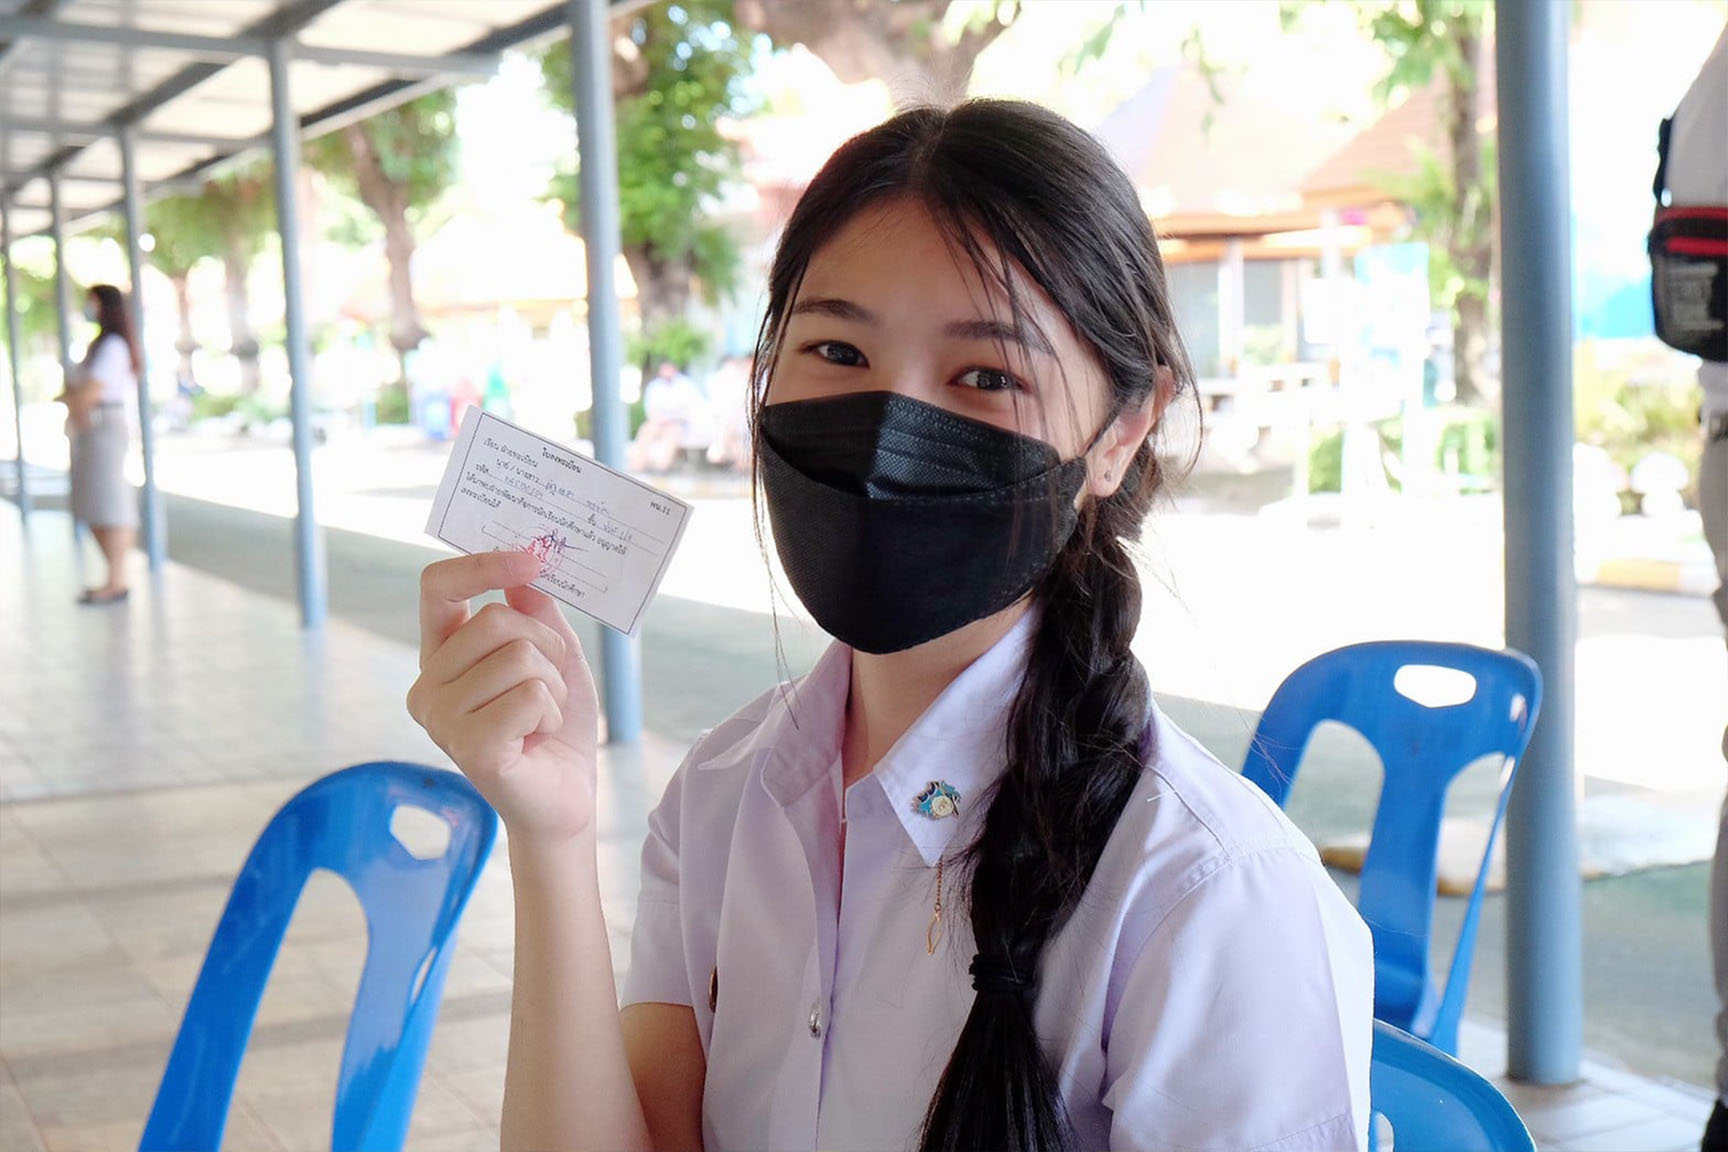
<point x="544" y="853"/>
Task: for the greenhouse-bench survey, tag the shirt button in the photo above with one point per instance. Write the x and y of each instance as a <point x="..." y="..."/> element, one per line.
<point x="815" y="1018"/>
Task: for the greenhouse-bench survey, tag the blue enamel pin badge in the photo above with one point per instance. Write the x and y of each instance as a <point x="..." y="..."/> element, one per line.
<point x="938" y="800"/>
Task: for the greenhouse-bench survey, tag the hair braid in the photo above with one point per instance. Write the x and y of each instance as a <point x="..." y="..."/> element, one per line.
<point x="1073" y="759"/>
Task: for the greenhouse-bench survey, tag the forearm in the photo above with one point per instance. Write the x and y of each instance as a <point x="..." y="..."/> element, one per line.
<point x="568" y="1083"/>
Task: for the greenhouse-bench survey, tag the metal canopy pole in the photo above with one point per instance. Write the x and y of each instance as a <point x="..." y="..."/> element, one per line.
<point x="1544" y="989"/>
<point x="13" y="356"/>
<point x="62" y="288"/>
<point x="597" y="149"/>
<point x="155" y="533"/>
<point x="308" y="540"/>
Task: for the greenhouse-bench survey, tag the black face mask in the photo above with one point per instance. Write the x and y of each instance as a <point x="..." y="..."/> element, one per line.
<point x="898" y="521"/>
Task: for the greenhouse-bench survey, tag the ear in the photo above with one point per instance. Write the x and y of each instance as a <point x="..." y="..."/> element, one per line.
<point x="1109" y="459"/>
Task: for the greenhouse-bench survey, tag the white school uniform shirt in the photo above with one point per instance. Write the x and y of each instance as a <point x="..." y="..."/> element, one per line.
<point x="109" y="365"/>
<point x="1214" y="989"/>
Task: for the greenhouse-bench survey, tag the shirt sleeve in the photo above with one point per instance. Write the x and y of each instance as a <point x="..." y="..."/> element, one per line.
<point x="658" y="973"/>
<point x="1246" y="1021"/>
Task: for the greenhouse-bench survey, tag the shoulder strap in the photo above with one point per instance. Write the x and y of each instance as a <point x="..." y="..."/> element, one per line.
<point x="1662" y="135"/>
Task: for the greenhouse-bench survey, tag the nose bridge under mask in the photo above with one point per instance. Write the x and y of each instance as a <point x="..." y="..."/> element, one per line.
<point x="887" y="444"/>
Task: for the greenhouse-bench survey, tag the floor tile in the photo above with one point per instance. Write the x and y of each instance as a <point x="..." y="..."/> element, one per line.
<point x="1565" y="1123"/>
<point x="18" y="1131"/>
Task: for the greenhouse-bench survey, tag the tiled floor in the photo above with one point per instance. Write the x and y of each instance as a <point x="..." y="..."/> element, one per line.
<point x="142" y="749"/>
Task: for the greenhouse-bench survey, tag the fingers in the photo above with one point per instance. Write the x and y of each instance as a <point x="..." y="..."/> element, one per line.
<point x="537" y="605"/>
<point x="492" y="628"/>
<point x="448" y="585"/>
<point x="502" y="670"/>
<point x="491" y="739"/>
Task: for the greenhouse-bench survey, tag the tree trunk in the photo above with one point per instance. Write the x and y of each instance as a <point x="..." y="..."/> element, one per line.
<point x="184" y="344"/>
<point x="662" y="286"/>
<point x="1471" y="241"/>
<point x="389" y="202"/>
<point x="662" y="295"/>
<point x="241" y="341"/>
<point x="896" y="42"/>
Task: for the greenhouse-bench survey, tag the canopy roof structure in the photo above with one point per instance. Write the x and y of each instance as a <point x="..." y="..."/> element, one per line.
<point x="191" y="79"/>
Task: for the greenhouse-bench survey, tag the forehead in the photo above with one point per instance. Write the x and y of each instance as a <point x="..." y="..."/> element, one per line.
<point x="897" y="249"/>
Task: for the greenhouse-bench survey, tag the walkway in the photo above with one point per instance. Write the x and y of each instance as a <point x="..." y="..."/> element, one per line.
<point x="141" y="750"/>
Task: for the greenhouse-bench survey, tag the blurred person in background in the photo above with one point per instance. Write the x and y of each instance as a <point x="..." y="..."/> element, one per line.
<point x="728" y="399"/>
<point x="673" y="405"/>
<point x="98" y="397"/>
<point x="1696" y="170"/>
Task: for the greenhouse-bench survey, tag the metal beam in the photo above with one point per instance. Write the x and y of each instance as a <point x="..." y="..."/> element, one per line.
<point x="9" y="49"/>
<point x="227" y="49"/>
<point x="597" y="145"/>
<point x="62" y="286"/>
<point x="14" y="356"/>
<point x="19" y="179"/>
<point x="308" y="539"/>
<point x="212" y="48"/>
<point x="1544" y="995"/>
<point x="90" y="133"/>
<point x="472" y="64"/>
<point x="155" y="532"/>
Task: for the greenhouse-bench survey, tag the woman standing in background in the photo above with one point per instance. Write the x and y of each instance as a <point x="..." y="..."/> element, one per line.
<point x="96" y="399"/>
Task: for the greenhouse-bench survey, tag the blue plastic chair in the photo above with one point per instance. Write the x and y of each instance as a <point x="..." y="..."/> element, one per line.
<point x="1422" y="750"/>
<point x="1436" y="1104"/>
<point x="340" y="823"/>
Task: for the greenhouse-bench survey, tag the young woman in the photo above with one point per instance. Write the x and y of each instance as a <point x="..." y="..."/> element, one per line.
<point x="962" y="886"/>
<point x="97" y="398"/>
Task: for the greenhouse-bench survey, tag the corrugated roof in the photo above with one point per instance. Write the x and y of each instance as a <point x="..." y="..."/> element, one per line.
<point x="189" y="77"/>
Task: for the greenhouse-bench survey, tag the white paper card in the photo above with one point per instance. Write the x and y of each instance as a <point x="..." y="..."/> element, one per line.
<point x="604" y="539"/>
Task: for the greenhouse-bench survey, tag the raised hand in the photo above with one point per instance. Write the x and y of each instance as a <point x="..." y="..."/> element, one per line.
<point x="507" y="693"/>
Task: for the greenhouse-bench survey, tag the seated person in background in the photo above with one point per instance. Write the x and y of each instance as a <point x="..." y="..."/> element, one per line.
<point x="674" y="407"/>
<point x="728" y="400"/>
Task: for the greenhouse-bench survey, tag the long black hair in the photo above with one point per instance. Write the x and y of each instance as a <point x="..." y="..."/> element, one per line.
<point x="1047" y="198"/>
<point x="113" y="318"/>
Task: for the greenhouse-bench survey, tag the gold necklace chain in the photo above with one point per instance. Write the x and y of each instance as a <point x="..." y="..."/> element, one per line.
<point x="932" y="933"/>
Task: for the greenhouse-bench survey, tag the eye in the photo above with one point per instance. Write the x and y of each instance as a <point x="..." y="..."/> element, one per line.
<point x="988" y="380"/>
<point x="837" y="352"/>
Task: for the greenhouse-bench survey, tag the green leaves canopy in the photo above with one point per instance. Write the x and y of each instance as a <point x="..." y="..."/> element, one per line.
<point x="673" y="159"/>
<point x="415" y="143"/>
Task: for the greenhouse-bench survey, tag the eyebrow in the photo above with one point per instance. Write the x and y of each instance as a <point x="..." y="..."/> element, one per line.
<point x="992" y="330"/>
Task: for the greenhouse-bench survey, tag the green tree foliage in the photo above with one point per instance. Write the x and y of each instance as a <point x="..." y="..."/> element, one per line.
<point x="35" y="300"/>
<point x="1453" y="199"/>
<point x="686" y="63"/>
<point x="398" y="164"/>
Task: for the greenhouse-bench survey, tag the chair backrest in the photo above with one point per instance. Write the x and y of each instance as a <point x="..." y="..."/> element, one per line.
<point x="1422" y="749"/>
<point x="1436" y="1104"/>
<point x="341" y="823"/>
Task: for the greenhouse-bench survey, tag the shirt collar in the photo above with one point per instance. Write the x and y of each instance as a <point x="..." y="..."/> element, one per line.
<point x="797" y="738"/>
<point x="960" y="741"/>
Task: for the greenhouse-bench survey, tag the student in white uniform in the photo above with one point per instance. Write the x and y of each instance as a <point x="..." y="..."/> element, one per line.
<point x="962" y="886"/>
